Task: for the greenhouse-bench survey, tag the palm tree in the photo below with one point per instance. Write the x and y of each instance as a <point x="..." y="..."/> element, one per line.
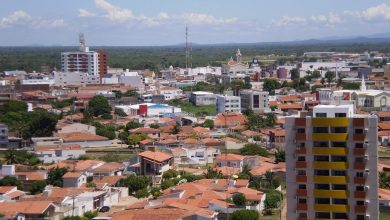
<point x="10" y="157"/>
<point x="269" y="177"/>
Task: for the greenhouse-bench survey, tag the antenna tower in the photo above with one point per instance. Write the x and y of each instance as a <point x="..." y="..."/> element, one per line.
<point x="188" y="51"/>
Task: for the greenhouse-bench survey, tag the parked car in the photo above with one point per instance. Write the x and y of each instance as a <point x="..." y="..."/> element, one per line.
<point x="104" y="209"/>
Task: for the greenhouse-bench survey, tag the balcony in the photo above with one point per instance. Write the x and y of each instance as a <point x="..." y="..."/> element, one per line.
<point x="330" y="165"/>
<point x="302" y="206"/>
<point x="341" y="194"/>
<point x="330" y="122"/>
<point x="300" y="136"/>
<point x="360" y="194"/>
<point x="301" y="192"/>
<point x="359" y="151"/>
<point x="301" y="164"/>
<point x="301" y="178"/>
<point x="359" y="165"/>
<point x="360" y="209"/>
<point x="330" y="151"/>
<point x="331" y="208"/>
<point x="359" y="180"/>
<point x="330" y="136"/>
<point x="359" y="137"/>
<point x="300" y="122"/>
<point x="358" y="122"/>
<point x="331" y="179"/>
<point x="300" y="150"/>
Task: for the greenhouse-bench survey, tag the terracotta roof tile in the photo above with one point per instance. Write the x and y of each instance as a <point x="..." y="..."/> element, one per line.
<point x="156" y="156"/>
<point x="80" y="136"/>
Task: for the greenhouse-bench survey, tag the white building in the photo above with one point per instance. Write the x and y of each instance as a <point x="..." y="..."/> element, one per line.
<point x="203" y="98"/>
<point x="170" y="92"/>
<point x="149" y="109"/>
<point x="57" y="153"/>
<point x="43" y="81"/>
<point x="75" y="78"/>
<point x="227" y="103"/>
<point x="254" y="99"/>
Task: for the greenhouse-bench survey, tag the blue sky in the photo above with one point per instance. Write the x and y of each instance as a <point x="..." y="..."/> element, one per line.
<point x="162" y="22"/>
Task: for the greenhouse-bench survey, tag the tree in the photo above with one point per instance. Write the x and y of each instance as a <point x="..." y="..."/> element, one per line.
<point x="20" y="157"/>
<point x="134" y="183"/>
<point x="176" y="129"/>
<point x="14" y="106"/>
<point x="212" y="174"/>
<point x="245" y="215"/>
<point x="155" y="192"/>
<point x="90" y="215"/>
<point x="208" y="124"/>
<point x="134" y="139"/>
<point x="329" y="76"/>
<point x="167" y="184"/>
<point x="130" y="93"/>
<point x="169" y="174"/>
<point x="40" y="124"/>
<point x="99" y="105"/>
<point x="133" y="125"/>
<point x="37" y="187"/>
<point x="280" y="156"/>
<point x="270" y="85"/>
<point x="384" y="180"/>
<point x="351" y="86"/>
<point x="142" y="193"/>
<point x="54" y="176"/>
<point x="154" y="125"/>
<point x="11" y="181"/>
<point x="107" y="131"/>
<point x="10" y="157"/>
<point x="253" y="149"/>
<point x="239" y="199"/>
<point x="271" y="201"/>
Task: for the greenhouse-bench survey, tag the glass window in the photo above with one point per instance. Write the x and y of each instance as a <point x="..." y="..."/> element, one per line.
<point x="321" y="158"/>
<point x="321" y="115"/>
<point x="339" y="158"/>
<point x="322" y="186"/>
<point x="322" y="201"/>
<point x="321" y="172"/>
<point x="339" y="187"/>
<point x="340" y="201"/>
<point x="325" y="215"/>
<point x="340" y="115"/>
<point x="321" y="130"/>
<point x="340" y="216"/>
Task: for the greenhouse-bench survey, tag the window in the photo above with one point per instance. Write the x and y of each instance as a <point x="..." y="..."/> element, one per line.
<point x="301" y="158"/>
<point x="358" y="131"/>
<point x="359" y="202"/>
<point x="322" y="130"/>
<point x="359" y="174"/>
<point x="301" y="130"/>
<point x="339" y="159"/>
<point x="256" y="101"/>
<point x="340" y="216"/>
<point x="302" y="172"/>
<point x="324" y="215"/>
<point x="339" y="187"/>
<point x="359" y="188"/>
<point x="321" y="172"/>
<point x="321" y="115"/>
<point x="340" y="115"/>
<point x="301" y="186"/>
<point x="340" y="130"/>
<point x="360" y="217"/>
<point x="339" y="173"/>
<point x="302" y="201"/>
<point x="322" y="201"/>
<point x="321" y="144"/>
<point x="303" y="215"/>
<point x="321" y="158"/>
<point x="339" y="144"/>
<point x="322" y="186"/>
<point x="340" y="201"/>
<point x="359" y="159"/>
<point x="358" y="145"/>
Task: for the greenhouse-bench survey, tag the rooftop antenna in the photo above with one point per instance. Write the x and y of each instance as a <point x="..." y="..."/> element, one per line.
<point x="81" y="42"/>
<point x="188" y="50"/>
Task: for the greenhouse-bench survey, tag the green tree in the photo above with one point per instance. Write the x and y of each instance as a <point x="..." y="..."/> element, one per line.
<point x="271" y="201"/>
<point x="132" y="125"/>
<point x="120" y="112"/>
<point x="212" y="173"/>
<point x="208" y="124"/>
<point x="90" y="215"/>
<point x="155" y="192"/>
<point x="384" y="180"/>
<point x="54" y="176"/>
<point x="131" y="93"/>
<point x="99" y="105"/>
<point x="270" y="85"/>
<point x="142" y="193"/>
<point x="191" y="177"/>
<point x="253" y="149"/>
<point x="40" y="124"/>
<point x="239" y="199"/>
<point x="280" y="156"/>
<point x="176" y="129"/>
<point x="37" y="187"/>
<point x="14" y="106"/>
<point x="167" y="184"/>
<point x="107" y="131"/>
<point x="245" y="215"/>
<point x="154" y="125"/>
<point x="351" y="86"/>
<point x="329" y="76"/>
<point x="134" y="183"/>
<point x="134" y="139"/>
<point x="169" y="174"/>
<point x="11" y="181"/>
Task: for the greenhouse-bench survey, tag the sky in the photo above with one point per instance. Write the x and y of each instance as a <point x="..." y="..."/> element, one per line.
<point x="163" y="22"/>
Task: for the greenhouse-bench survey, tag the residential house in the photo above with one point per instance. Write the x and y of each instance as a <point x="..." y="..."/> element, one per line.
<point x="108" y="169"/>
<point x="10" y="193"/>
<point x="170" y="92"/>
<point x="84" y="139"/>
<point x="74" y="179"/>
<point x="56" y="153"/>
<point x="155" y="163"/>
<point x="24" y="210"/>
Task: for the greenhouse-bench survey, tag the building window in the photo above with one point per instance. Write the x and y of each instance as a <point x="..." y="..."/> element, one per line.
<point x="340" y="216"/>
<point x="321" y="115"/>
<point x="322" y="186"/>
<point x="340" y="115"/>
<point x="322" y="130"/>
<point x="256" y="101"/>
<point x="321" y="172"/>
<point x="339" y="187"/>
<point x="322" y="201"/>
<point x="325" y="215"/>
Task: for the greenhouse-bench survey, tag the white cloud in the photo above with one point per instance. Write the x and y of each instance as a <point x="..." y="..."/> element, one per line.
<point x="17" y="17"/>
<point x="329" y="19"/>
<point x="23" y="18"/>
<point x="379" y="11"/>
<point x="85" y="13"/>
<point x="114" y="13"/>
<point x="290" y="21"/>
<point x="196" y="18"/>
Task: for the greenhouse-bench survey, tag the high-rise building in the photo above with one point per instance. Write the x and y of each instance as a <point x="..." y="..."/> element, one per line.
<point x="84" y="61"/>
<point x="255" y="100"/>
<point x="228" y="103"/>
<point x="331" y="162"/>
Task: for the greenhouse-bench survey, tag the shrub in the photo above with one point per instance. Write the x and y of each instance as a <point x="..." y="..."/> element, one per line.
<point x="245" y="215"/>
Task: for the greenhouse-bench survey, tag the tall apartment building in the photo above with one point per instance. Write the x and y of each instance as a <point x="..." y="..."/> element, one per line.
<point x="254" y="99"/>
<point x="228" y="103"/>
<point x="84" y="61"/>
<point x="331" y="162"/>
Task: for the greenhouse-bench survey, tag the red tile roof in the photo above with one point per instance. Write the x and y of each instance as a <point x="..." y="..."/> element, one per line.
<point x="156" y="156"/>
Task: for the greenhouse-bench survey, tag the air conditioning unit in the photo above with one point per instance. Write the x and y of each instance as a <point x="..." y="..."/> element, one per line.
<point x="366" y="188"/>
